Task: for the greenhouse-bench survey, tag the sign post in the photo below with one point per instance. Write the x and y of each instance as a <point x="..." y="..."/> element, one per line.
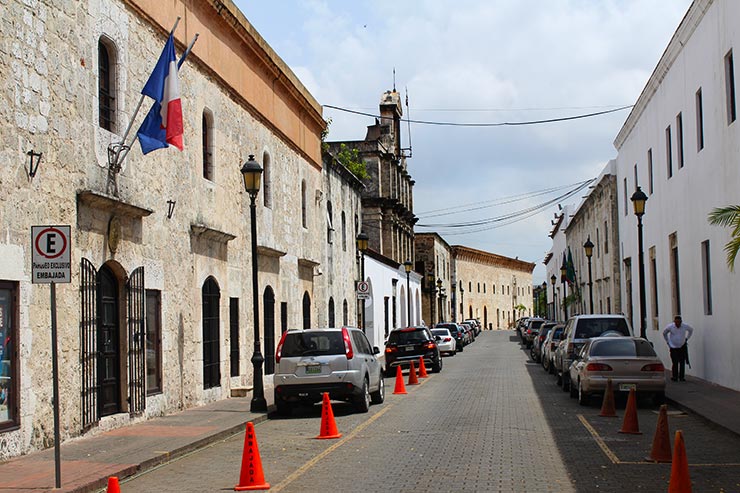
<point x="51" y="264"/>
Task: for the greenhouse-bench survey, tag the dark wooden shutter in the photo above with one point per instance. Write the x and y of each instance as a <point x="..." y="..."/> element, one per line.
<point x="136" y="342"/>
<point x="88" y="342"/>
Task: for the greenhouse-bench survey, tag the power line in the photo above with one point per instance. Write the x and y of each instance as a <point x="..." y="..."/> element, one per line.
<point x="499" y="124"/>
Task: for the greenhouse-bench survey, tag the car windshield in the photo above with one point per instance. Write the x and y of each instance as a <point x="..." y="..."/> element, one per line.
<point x="536" y="324"/>
<point x="410" y="337"/>
<point x="622" y="347"/>
<point x="440" y="332"/>
<point x="313" y="343"/>
<point x="594" y="327"/>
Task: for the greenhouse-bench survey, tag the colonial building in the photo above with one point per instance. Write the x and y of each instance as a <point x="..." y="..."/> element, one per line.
<point x="679" y="145"/>
<point x="158" y="314"/>
<point x="594" y="220"/>
<point x="557" y="287"/>
<point x="492" y="288"/>
<point x="434" y="260"/>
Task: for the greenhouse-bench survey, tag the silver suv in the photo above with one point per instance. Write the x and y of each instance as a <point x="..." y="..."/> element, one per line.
<point x="338" y="361"/>
<point x="577" y="332"/>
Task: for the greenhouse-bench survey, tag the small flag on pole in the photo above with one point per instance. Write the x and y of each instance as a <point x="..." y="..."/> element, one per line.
<point x="163" y="124"/>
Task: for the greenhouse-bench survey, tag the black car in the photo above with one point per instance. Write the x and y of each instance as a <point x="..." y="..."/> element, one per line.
<point x="410" y="344"/>
<point x="457" y="332"/>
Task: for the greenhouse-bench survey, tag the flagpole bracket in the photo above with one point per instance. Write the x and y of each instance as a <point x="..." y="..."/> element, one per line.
<point x="114" y="156"/>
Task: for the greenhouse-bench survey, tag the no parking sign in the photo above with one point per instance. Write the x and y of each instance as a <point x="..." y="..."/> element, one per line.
<point x="50" y="261"/>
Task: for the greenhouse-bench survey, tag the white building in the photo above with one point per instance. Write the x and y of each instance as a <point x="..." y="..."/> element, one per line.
<point x="554" y="260"/>
<point x="680" y="144"/>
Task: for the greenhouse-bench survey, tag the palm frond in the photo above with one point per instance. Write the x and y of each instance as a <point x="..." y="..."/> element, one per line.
<point x="728" y="216"/>
<point x="732" y="248"/>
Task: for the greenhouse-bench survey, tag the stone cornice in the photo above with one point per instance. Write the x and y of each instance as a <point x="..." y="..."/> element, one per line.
<point x="460" y="252"/>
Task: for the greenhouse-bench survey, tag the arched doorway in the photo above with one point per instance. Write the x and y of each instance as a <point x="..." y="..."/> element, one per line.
<point x="211" y="296"/>
<point x="109" y="336"/>
<point x="268" y="317"/>
<point x="332" y="319"/>
<point x="306" y="311"/>
<point x="485" y="316"/>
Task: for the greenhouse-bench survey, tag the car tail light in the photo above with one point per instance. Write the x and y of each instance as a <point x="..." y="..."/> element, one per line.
<point x="654" y="367"/>
<point x="542" y="338"/>
<point x="569" y="348"/>
<point x="430" y="345"/>
<point x="598" y="367"/>
<point x="448" y="339"/>
<point x="278" y="353"/>
<point x="347" y="343"/>
<point x="391" y="349"/>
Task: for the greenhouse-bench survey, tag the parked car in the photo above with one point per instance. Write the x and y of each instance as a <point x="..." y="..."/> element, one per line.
<point x="519" y="325"/>
<point x="630" y="363"/>
<point x="536" y="351"/>
<point x="409" y="344"/>
<point x="457" y="332"/>
<point x="445" y="342"/>
<point x="469" y="333"/>
<point x="530" y="331"/>
<point x="578" y="331"/>
<point x="475" y="324"/>
<point x="339" y="361"/>
<point x="549" y="345"/>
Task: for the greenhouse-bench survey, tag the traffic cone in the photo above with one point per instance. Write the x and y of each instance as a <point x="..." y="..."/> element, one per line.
<point x="680" y="481"/>
<point x="413" y="380"/>
<point x="251" y="477"/>
<point x="400" y="387"/>
<point x="607" y="406"/>
<point x="630" y="425"/>
<point x="328" y="425"/>
<point x="113" y="486"/>
<point x="422" y="369"/>
<point x="661" y="451"/>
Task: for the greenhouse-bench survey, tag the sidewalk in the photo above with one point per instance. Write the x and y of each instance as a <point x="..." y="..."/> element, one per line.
<point x="87" y="462"/>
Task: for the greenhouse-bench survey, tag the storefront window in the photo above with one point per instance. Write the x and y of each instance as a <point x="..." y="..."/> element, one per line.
<point x="8" y="362"/>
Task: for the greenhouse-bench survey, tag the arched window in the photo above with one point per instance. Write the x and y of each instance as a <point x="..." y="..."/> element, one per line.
<point x="479" y="287"/>
<point x="106" y="85"/>
<point x="329" y="222"/>
<point x="266" y="180"/>
<point x="303" y="204"/>
<point x="344" y="233"/>
<point x="211" y="295"/>
<point x="345" y="313"/>
<point x="470" y="287"/>
<point x="207" y="142"/>
<point x="484" y="288"/>
<point x="332" y="320"/>
<point x="306" y="311"/>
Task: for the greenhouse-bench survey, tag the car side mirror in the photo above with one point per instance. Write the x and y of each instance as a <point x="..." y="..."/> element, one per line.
<point x="376" y="350"/>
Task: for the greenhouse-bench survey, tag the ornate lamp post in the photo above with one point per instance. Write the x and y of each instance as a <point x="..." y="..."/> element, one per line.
<point x="362" y="245"/>
<point x="407" y="265"/>
<point x="439" y="299"/>
<point x="544" y="298"/>
<point x="638" y="203"/>
<point x="432" y="297"/>
<point x="589" y="248"/>
<point x="252" y="175"/>
<point x="462" y="303"/>
<point x="563" y="279"/>
<point x="554" y="279"/>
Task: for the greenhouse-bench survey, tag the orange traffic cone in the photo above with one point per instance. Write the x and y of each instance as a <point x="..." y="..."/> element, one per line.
<point x="422" y="369"/>
<point x="328" y="425"/>
<point x="607" y="405"/>
<point x="113" y="486"/>
<point x="661" y="451"/>
<point x="400" y="387"/>
<point x="413" y="380"/>
<point x="251" y="477"/>
<point x="630" y="425"/>
<point x="680" y="481"/>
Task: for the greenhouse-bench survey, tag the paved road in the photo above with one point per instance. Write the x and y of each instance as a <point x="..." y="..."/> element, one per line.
<point x="491" y="421"/>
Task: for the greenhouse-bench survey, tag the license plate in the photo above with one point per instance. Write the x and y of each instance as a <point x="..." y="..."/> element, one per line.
<point x="313" y="369"/>
<point x="627" y="386"/>
<point x="408" y="348"/>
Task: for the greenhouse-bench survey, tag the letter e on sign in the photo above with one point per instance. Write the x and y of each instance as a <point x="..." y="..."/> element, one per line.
<point x="50" y="259"/>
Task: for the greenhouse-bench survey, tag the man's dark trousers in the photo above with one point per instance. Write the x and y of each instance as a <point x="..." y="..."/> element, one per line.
<point x="678" y="358"/>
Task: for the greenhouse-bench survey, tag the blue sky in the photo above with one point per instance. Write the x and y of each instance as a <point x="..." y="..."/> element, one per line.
<point x="481" y="61"/>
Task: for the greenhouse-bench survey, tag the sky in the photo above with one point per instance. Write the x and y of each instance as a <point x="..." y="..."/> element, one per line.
<point x="480" y="61"/>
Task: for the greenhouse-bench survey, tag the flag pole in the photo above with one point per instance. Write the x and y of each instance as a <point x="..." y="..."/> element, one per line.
<point x="127" y="148"/>
<point x="117" y="148"/>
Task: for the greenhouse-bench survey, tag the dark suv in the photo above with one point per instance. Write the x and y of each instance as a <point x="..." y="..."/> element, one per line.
<point x="457" y="332"/>
<point x="410" y="344"/>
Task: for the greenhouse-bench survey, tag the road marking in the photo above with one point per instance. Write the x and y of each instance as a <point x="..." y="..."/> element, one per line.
<point x="607" y="451"/>
<point x="308" y="465"/>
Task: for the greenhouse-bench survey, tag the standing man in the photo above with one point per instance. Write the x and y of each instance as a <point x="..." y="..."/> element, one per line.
<point x="676" y="335"/>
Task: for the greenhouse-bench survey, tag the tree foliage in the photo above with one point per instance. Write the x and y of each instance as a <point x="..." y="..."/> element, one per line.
<point x="350" y="158"/>
<point x="728" y="217"/>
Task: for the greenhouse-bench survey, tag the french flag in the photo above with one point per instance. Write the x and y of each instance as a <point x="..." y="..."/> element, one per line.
<point x="163" y="126"/>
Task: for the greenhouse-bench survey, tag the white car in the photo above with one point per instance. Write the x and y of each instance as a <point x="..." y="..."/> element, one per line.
<point x="445" y="342"/>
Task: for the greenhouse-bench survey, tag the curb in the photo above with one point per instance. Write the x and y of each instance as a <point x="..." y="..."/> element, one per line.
<point x="165" y="457"/>
<point x="706" y="419"/>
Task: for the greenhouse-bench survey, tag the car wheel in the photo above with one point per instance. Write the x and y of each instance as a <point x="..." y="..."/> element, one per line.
<point x="566" y="382"/>
<point x="362" y="401"/>
<point x="583" y="397"/>
<point x="379" y="396"/>
<point x="573" y="389"/>
<point x="438" y="367"/>
<point x="550" y="367"/>
<point x="559" y="379"/>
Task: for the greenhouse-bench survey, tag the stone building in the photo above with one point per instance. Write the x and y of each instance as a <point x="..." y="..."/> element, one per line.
<point x="157" y="316"/>
<point x="387" y="201"/>
<point x="492" y="288"/>
<point x="434" y="261"/>
<point x="595" y="220"/>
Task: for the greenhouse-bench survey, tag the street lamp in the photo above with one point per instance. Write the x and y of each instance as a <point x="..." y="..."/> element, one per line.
<point x="638" y="202"/>
<point x="439" y="300"/>
<point x="432" y="296"/>
<point x="553" y="280"/>
<point x="544" y="297"/>
<point x="362" y="241"/>
<point x="407" y="265"/>
<point x="252" y="175"/>
<point x="462" y="303"/>
<point x="589" y="248"/>
<point x="563" y="278"/>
